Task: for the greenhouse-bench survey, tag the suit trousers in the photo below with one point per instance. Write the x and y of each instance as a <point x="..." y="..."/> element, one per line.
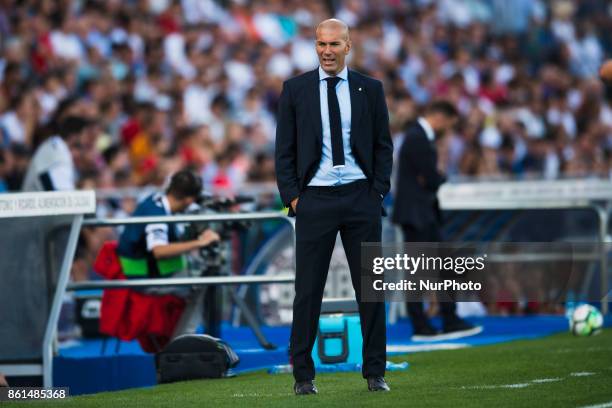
<point x="355" y="211"/>
<point x="415" y="309"/>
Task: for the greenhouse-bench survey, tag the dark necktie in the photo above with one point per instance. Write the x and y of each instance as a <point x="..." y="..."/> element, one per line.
<point x="335" y="125"/>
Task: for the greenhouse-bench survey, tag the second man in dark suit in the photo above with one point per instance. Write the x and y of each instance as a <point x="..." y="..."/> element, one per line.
<point x="416" y="207"/>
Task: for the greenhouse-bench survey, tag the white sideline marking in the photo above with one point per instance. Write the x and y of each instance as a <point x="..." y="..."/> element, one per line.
<point x="604" y="405"/>
<point x="521" y="385"/>
<point x="518" y="385"/>
<point x="582" y="374"/>
<point x="492" y="387"/>
<point x="405" y="348"/>
<point x="257" y="395"/>
<point x="537" y="381"/>
<point x="545" y="380"/>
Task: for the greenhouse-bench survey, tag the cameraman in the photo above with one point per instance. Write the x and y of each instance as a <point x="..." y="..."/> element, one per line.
<point x="154" y="250"/>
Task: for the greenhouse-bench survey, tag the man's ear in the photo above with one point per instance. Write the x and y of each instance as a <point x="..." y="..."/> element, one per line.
<point x="349" y="44"/>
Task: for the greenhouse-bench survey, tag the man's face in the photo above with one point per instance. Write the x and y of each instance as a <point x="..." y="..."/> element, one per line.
<point x="443" y="123"/>
<point x="332" y="47"/>
<point x="184" y="203"/>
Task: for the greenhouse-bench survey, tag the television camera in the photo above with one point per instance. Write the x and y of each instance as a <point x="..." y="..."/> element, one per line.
<point x="213" y="260"/>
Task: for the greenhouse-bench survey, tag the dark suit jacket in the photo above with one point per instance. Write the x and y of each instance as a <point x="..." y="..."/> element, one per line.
<point x="299" y="133"/>
<point x="417" y="181"/>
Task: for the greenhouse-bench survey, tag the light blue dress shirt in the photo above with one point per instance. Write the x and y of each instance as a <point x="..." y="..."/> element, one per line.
<point x="327" y="174"/>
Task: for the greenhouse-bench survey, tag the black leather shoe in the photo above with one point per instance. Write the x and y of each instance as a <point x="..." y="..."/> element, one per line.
<point x="425" y="333"/>
<point x="304" y="388"/>
<point x="377" y="384"/>
<point x="458" y="328"/>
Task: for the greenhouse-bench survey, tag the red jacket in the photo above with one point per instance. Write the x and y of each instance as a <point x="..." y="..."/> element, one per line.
<point x="128" y="314"/>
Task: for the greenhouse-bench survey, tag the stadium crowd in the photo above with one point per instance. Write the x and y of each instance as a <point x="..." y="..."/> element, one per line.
<point x="167" y="84"/>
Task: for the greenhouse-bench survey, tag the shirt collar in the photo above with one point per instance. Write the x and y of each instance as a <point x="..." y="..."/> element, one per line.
<point x="431" y="135"/>
<point x="342" y="74"/>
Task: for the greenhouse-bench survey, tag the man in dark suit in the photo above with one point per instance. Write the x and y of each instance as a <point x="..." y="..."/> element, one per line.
<point x="333" y="165"/>
<point x="417" y="211"/>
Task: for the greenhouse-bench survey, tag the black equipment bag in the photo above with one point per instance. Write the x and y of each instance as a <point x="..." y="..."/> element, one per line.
<point x="195" y="356"/>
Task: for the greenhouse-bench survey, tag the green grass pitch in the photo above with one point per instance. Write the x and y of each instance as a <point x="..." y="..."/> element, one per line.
<point x="557" y="371"/>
